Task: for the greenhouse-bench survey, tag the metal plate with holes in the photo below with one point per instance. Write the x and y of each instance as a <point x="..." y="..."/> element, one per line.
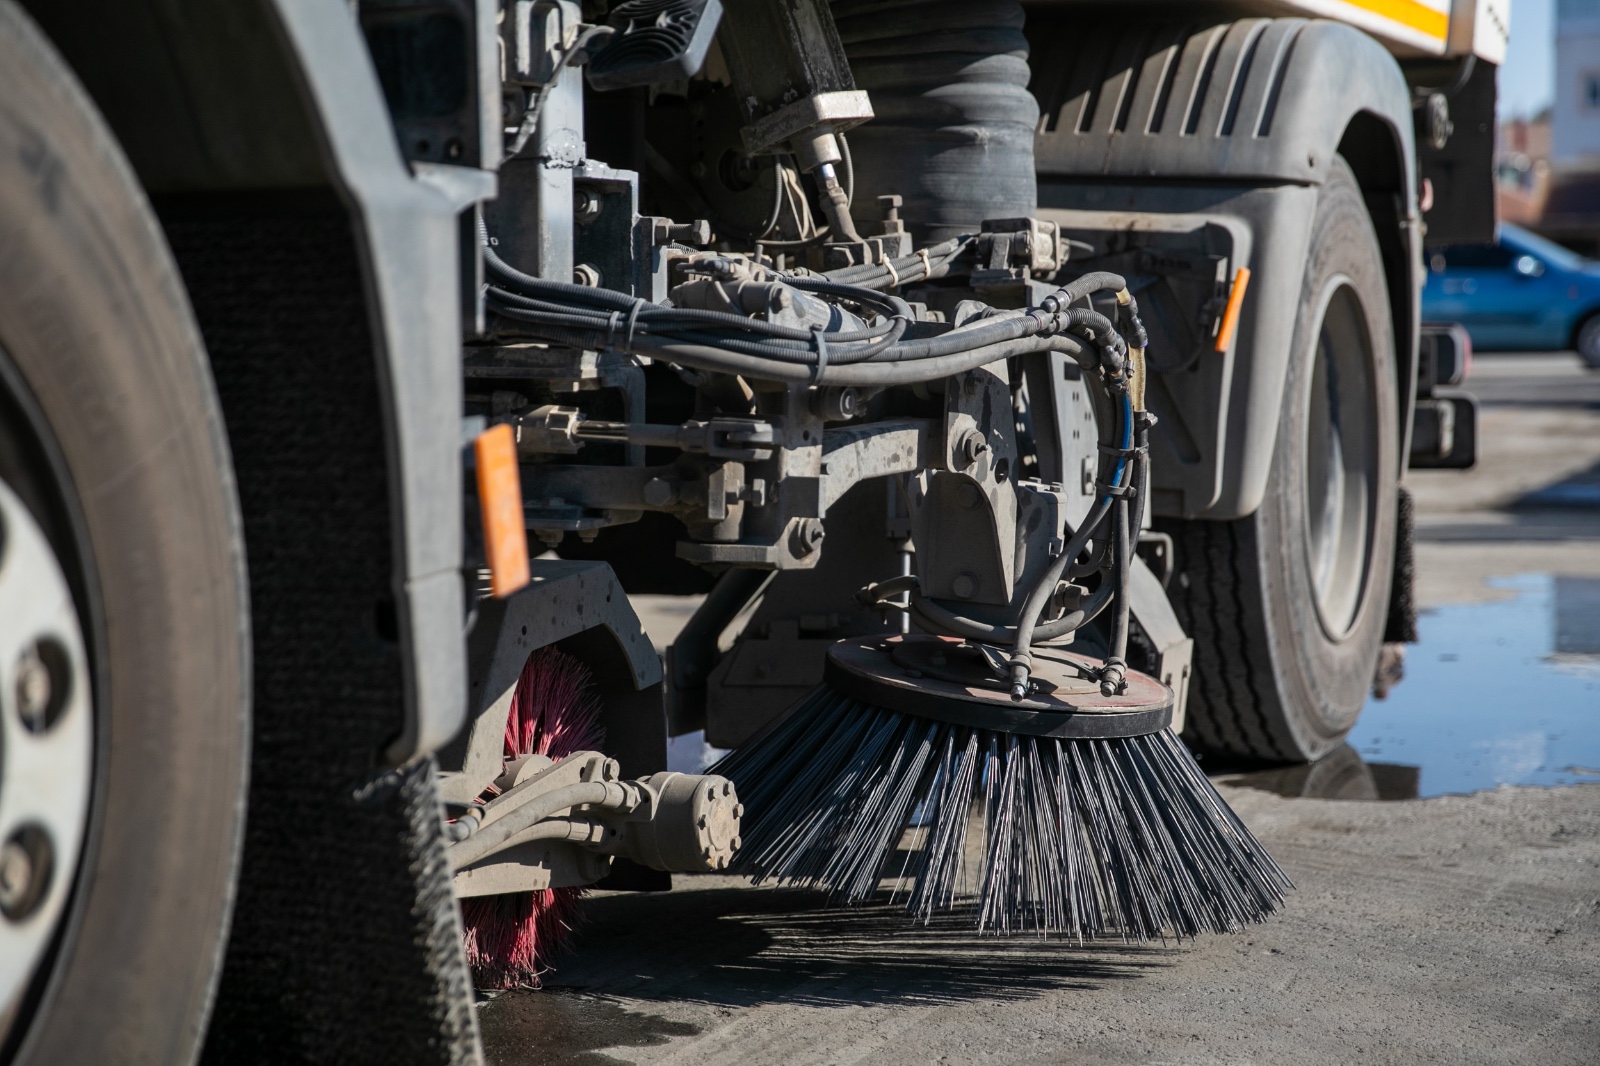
<point x="46" y="756"/>
<point x="940" y="678"/>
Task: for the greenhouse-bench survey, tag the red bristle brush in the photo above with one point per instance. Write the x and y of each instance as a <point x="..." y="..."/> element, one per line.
<point x="511" y="939"/>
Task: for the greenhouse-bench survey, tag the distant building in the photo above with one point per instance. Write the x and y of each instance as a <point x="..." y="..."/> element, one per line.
<point x="1575" y="117"/>
<point x="1522" y="169"/>
<point x="1570" y="207"/>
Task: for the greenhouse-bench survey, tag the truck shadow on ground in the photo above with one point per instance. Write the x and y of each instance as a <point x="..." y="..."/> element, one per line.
<point x="727" y="948"/>
<point x="740" y="947"/>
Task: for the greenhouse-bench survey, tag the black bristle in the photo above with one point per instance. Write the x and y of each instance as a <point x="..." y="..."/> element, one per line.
<point x="1087" y="838"/>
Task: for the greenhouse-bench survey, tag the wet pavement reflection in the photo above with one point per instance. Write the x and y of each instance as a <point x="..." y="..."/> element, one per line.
<point x="1499" y="693"/>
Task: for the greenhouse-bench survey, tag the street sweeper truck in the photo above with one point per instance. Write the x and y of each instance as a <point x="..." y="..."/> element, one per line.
<point x="1023" y="389"/>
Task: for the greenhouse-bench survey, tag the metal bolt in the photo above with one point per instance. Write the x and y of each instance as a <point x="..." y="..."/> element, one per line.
<point x="25" y="862"/>
<point x="586" y="206"/>
<point x="839" y="403"/>
<point x="586" y="275"/>
<point x="33" y="688"/>
<point x="965" y="584"/>
<point x="806" y="535"/>
<point x="970" y="446"/>
<point x="658" y="492"/>
<point x="697" y="233"/>
<point x="16" y="876"/>
<point x="891" y="204"/>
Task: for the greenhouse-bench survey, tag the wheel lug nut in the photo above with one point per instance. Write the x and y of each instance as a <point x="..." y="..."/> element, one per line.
<point x="33" y="690"/>
<point x="16" y="873"/>
<point x="25" y="862"/>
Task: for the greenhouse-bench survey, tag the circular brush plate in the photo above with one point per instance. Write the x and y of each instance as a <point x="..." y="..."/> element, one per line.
<point x="949" y="681"/>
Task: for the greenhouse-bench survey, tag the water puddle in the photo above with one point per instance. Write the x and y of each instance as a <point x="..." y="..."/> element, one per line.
<point x="1501" y="693"/>
<point x="560" y="1027"/>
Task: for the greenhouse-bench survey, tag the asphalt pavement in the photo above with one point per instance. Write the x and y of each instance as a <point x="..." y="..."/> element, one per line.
<point x="1459" y="927"/>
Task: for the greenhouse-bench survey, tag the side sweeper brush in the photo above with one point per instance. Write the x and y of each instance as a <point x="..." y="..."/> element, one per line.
<point x="1094" y="818"/>
<point x="511" y="938"/>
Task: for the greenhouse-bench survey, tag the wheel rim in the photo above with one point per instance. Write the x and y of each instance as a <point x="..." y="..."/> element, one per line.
<point x="1340" y="460"/>
<point x="46" y="747"/>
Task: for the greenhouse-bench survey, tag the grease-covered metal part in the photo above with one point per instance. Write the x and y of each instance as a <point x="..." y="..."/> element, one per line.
<point x="693" y="826"/>
<point x="561" y="823"/>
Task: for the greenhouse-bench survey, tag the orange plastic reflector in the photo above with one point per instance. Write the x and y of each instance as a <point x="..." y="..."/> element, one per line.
<point x="505" y="537"/>
<point x="1230" y="314"/>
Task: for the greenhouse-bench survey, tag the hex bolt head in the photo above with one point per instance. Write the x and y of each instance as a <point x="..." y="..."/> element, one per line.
<point x="33" y="689"/>
<point x="965" y="585"/>
<point x="697" y="233"/>
<point x="586" y="206"/>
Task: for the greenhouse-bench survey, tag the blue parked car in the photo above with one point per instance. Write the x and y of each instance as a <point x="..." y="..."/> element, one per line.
<point x="1524" y="293"/>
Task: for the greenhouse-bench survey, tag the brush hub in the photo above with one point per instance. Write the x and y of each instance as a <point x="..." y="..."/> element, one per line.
<point x="947" y="680"/>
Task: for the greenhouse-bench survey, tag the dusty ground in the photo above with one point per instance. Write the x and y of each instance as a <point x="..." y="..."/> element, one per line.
<point x="1460" y="929"/>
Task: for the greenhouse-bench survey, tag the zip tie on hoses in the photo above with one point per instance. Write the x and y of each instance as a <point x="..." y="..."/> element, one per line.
<point x="611" y="326"/>
<point x="927" y="267"/>
<point x="822" y="355"/>
<point x="894" y="276"/>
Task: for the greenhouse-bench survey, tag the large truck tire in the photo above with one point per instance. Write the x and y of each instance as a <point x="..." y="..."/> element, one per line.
<point x="118" y="495"/>
<point x="1287" y="606"/>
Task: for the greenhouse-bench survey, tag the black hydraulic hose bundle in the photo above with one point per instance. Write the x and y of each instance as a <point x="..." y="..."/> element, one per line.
<point x="587" y="317"/>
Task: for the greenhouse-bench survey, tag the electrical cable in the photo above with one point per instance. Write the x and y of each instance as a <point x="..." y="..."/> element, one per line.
<point x="849" y="171"/>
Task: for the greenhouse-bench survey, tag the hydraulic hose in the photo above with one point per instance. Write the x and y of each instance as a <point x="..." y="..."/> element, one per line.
<point x="610" y="794"/>
<point x="1021" y="662"/>
<point x="872" y="356"/>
